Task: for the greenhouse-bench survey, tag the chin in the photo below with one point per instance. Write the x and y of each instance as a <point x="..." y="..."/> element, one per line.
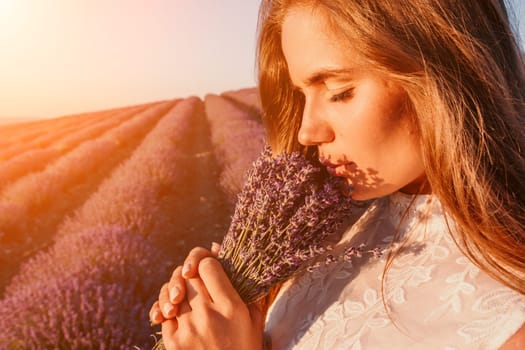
<point x="364" y="194"/>
<point x="360" y="196"/>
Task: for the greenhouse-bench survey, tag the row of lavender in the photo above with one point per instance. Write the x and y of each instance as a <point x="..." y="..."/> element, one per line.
<point x="45" y="131"/>
<point x="237" y="137"/>
<point x="28" y="193"/>
<point x="103" y="288"/>
<point x="29" y="140"/>
<point x="33" y="205"/>
<point x="33" y="133"/>
<point x="26" y="157"/>
<point x="106" y="288"/>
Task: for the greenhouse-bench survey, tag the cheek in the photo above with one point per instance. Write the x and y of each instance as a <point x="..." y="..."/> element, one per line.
<point x="395" y="112"/>
<point x="395" y="124"/>
<point x="375" y="114"/>
<point x="381" y="138"/>
<point x="370" y="129"/>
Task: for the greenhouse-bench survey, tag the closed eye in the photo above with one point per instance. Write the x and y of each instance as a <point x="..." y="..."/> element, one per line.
<point x="342" y="96"/>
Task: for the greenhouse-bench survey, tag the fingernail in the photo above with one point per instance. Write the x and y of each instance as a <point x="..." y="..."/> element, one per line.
<point x="215" y="247"/>
<point x="155" y="317"/>
<point x="174" y="293"/>
<point x="186" y="269"/>
<point x="167" y="309"/>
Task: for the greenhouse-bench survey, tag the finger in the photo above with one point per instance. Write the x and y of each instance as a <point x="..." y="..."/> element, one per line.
<point x="197" y="295"/>
<point x="217" y="283"/>
<point x="167" y="308"/>
<point x="215" y="247"/>
<point x="191" y="262"/>
<point x="155" y="315"/>
<point x="183" y="310"/>
<point x="169" y="328"/>
<point x="176" y="286"/>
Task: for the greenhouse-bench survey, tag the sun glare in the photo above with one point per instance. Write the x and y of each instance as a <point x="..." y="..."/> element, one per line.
<point x="8" y="8"/>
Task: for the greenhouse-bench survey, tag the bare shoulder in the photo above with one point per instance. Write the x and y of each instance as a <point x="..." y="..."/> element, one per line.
<point x="517" y="341"/>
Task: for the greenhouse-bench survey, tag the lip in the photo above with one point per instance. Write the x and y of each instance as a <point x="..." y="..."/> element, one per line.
<point x="327" y="163"/>
<point x="337" y="169"/>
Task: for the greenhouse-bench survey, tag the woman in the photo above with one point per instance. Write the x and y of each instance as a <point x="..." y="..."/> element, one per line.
<point x="419" y="105"/>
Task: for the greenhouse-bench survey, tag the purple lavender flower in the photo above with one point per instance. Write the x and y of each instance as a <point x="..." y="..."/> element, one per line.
<point x="92" y="291"/>
<point x="287" y="209"/>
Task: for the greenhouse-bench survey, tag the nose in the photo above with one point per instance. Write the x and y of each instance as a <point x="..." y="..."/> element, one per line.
<point x="315" y="129"/>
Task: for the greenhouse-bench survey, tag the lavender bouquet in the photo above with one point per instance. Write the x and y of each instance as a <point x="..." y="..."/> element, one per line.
<point x="286" y="210"/>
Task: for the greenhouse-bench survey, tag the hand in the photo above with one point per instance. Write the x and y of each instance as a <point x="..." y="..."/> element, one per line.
<point x="174" y="292"/>
<point x="213" y="316"/>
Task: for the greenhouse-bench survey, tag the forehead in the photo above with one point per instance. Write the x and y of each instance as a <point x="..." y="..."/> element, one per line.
<point x="310" y="44"/>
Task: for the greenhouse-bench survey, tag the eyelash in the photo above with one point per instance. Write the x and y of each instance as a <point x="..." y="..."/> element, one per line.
<point x="342" y="96"/>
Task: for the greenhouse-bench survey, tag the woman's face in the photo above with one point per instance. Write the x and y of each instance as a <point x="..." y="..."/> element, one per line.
<point x="356" y="117"/>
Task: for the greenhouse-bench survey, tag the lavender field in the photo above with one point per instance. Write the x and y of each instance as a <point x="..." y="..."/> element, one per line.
<point x="97" y="209"/>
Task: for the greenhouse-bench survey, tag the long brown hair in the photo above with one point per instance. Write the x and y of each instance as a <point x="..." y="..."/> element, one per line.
<point x="463" y="73"/>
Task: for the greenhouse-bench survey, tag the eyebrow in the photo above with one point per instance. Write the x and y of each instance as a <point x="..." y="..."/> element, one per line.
<point x="324" y="74"/>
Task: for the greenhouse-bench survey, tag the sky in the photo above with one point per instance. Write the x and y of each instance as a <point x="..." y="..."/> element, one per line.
<point x="62" y="57"/>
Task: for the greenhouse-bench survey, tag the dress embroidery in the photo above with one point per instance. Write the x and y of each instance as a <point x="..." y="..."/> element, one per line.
<point x="432" y="296"/>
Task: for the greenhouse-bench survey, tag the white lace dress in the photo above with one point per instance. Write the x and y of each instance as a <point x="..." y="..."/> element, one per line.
<point x="436" y="298"/>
